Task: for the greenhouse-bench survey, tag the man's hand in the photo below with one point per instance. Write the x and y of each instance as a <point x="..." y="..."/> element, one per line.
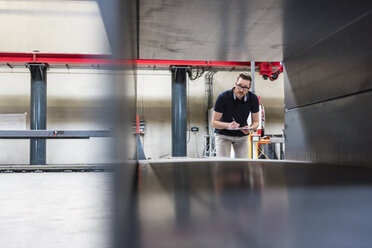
<point x="233" y="125"/>
<point x="246" y="131"/>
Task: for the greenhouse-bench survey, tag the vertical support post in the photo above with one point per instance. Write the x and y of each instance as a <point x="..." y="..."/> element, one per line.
<point x="250" y="145"/>
<point x="38" y="111"/>
<point x="281" y="151"/>
<point x="253" y="68"/>
<point x="179" y="111"/>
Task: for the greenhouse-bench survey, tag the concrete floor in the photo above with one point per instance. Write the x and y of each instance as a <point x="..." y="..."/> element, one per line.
<point x="55" y="210"/>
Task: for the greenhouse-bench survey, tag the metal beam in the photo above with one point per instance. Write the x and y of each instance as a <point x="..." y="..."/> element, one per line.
<point x="53" y="134"/>
<point x="76" y="60"/>
<point x="56" y="168"/>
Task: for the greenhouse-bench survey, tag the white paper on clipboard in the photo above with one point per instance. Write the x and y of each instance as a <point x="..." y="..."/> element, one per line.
<point x="239" y="128"/>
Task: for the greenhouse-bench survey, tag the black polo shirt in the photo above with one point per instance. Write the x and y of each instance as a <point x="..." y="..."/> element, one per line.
<point x="231" y="107"/>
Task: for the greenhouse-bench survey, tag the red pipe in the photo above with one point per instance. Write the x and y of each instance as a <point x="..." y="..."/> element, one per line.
<point x="105" y="59"/>
<point x="137" y="124"/>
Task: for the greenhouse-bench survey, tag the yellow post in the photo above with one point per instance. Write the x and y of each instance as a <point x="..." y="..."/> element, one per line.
<point x="250" y="145"/>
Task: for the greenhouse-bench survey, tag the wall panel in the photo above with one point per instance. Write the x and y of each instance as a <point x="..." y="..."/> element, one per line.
<point x="338" y="66"/>
<point x="328" y="98"/>
<point x="336" y="131"/>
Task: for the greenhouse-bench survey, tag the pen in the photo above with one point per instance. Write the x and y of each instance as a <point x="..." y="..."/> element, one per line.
<point x="233" y="119"/>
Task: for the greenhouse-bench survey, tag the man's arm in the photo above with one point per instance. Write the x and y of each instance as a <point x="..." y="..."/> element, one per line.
<point x="216" y="123"/>
<point x="255" y="120"/>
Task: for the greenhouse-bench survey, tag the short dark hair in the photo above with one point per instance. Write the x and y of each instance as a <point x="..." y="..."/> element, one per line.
<point x="245" y="76"/>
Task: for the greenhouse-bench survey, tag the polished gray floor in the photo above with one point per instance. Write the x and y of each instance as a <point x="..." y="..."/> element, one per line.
<point x="55" y="210"/>
<point x="253" y="204"/>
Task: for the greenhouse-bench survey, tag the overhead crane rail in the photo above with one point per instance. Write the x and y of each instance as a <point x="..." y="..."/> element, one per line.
<point x="68" y="60"/>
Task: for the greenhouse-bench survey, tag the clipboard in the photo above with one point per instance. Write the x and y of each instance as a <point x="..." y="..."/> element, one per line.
<point x="239" y="128"/>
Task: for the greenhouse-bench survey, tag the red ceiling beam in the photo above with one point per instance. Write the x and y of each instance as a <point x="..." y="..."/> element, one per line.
<point x="102" y="59"/>
<point x="192" y="63"/>
<point x="55" y="58"/>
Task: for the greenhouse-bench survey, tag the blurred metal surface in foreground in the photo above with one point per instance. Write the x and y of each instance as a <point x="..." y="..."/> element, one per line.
<point x="120" y="19"/>
<point x="253" y="204"/>
<point x="240" y="204"/>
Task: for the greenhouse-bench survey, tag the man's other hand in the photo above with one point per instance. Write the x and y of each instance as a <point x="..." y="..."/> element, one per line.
<point x="245" y="131"/>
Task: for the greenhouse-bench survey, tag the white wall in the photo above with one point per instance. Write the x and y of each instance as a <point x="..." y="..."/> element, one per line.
<point x="52" y="27"/>
<point x="154" y="106"/>
<point x="76" y="99"/>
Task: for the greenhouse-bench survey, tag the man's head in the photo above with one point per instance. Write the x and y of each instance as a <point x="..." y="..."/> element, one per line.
<point x="242" y="85"/>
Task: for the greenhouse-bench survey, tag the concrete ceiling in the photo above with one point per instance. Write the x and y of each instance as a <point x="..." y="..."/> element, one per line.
<point x="238" y="30"/>
<point x="226" y="30"/>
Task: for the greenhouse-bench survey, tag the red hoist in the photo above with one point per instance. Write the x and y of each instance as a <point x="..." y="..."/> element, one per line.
<point x="270" y="70"/>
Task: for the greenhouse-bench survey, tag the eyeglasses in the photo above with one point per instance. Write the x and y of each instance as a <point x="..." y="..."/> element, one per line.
<point x="239" y="87"/>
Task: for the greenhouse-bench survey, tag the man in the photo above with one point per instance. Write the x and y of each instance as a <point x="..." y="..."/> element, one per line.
<point x="231" y="111"/>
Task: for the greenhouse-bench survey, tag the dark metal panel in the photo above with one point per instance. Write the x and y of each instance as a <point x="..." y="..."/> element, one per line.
<point x="336" y="131"/>
<point x="236" y="203"/>
<point x="307" y="22"/>
<point x="337" y="66"/>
